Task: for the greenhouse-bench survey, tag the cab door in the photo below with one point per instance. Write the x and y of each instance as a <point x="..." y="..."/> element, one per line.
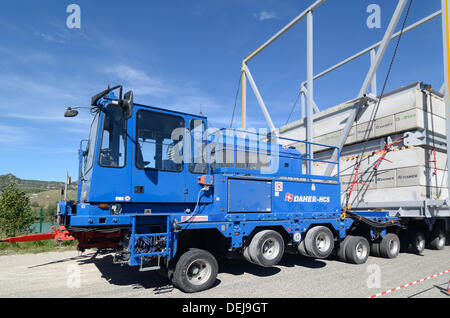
<point x="158" y="171"/>
<point x="108" y="169"/>
<point x="197" y="159"/>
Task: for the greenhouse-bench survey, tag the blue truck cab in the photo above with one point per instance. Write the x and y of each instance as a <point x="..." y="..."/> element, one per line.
<point x="165" y="191"/>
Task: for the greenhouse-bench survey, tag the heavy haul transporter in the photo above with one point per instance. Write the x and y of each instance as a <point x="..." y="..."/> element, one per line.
<point x="166" y="192"/>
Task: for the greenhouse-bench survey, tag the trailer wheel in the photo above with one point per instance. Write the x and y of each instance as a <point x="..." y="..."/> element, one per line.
<point x="375" y="249"/>
<point x="246" y="254"/>
<point x="437" y="241"/>
<point x="390" y="246"/>
<point x="319" y="242"/>
<point x="342" y="247"/>
<point x="357" y="250"/>
<point x="302" y="249"/>
<point x="195" y="271"/>
<point x="266" y="248"/>
<point x="416" y="242"/>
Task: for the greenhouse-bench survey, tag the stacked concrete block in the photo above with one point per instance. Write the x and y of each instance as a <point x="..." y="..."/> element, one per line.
<point x="409" y="108"/>
<point x="401" y="174"/>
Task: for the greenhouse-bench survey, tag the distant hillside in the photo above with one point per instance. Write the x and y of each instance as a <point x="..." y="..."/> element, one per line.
<point x="33" y="186"/>
<point x="48" y="198"/>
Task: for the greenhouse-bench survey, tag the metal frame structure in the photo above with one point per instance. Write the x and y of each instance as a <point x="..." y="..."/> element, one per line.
<point x="376" y="51"/>
<point x="446" y="43"/>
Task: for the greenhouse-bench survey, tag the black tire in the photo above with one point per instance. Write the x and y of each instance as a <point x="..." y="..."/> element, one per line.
<point x="375" y="249"/>
<point x="342" y="247"/>
<point x="246" y="254"/>
<point x="357" y="250"/>
<point x="390" y="246"/>
<point x="416" y="242"/>
<point x="437" y="239"/>
<point x="319" y="242"/>
<point x="195" y="271"/>
<point x="302" y="250"/>
<point x="266" y="248"/>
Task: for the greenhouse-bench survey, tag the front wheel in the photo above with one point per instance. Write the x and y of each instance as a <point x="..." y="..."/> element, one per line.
<point x="195" y="271"/>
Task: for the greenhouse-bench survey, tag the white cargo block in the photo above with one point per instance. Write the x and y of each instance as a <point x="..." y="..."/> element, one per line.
<point x="418" y="119"/>
<point x="422" y="176"/>
<point x="397" y="158"/>
<point x="365" y="131"/>
<point x="386" y="179"/>
<point x="417" y="193"/>
<point x="406" y="109"/>
<point x="431" y="104"/>
<point x="384" y="126"/>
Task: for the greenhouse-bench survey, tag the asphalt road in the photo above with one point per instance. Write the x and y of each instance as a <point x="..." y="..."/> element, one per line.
<point x="68" y="274"/>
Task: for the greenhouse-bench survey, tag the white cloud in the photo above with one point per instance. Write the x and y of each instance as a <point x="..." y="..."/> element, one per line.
<point x="142" y="83"/>
<point x="265" y="15"/>
<point x="182" y="96"/>
<point x="50" y="38"/>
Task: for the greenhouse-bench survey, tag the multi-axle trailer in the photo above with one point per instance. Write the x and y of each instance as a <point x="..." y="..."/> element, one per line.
<point x="166" y="192"/>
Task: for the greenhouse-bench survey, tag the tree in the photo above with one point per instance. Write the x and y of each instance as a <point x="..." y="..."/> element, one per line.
<point x="15" y="211"/>
<point x="50" y="212"/>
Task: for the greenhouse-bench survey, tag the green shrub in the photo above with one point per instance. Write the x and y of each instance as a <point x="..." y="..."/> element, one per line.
<point x="15" y="211"/>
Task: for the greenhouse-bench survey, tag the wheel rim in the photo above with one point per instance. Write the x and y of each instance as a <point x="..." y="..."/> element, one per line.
<point x="361" y="250"/>
<point x="270" y="249"/>
<point x="420" y="243"/>
<point x="441" y="242"/>
<point x="323" y="242"/>
<point x="393" y="247"/>
<point x="198" y="272"/>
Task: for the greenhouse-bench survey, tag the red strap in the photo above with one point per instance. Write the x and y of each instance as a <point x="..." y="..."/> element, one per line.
<point x="355" y="182"/>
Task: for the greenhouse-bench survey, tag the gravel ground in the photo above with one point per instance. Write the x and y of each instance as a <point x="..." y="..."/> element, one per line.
<point x="56" y="275"/>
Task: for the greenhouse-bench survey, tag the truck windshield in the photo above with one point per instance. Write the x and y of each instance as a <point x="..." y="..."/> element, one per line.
<point x="112" y="149"/>
<point x="91" y="145"/>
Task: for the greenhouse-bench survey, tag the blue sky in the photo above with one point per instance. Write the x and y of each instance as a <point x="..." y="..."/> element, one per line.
<point x="181" y="55"/>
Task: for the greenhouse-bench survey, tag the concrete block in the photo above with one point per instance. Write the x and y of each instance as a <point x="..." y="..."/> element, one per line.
<point x="386" y="179"/>
<point x="364" y="131"/>
<point x="417" y="193"/>
<point x="384" y="126"/>
<point x="402" y="110"/>
<point x="423" y="176"/>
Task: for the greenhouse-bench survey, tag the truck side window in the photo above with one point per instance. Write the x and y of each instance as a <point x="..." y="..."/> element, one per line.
<point x="89" y="159"/>
<point x="198" y="156"/>
<point x="112" y="150"/>
<point x="160" y="141"/>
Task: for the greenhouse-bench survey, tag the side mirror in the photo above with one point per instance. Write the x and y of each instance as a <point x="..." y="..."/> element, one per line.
<point x="127" y="105"/>
<point x="70" y="113"/>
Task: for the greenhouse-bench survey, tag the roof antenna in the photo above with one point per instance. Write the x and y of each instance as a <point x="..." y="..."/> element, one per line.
<point x="201" y="112"/>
